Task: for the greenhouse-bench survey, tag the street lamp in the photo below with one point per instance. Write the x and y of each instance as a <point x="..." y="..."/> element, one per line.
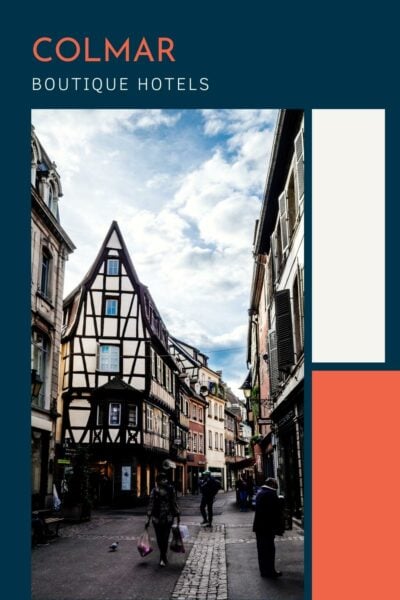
<point x="36" y="383"/>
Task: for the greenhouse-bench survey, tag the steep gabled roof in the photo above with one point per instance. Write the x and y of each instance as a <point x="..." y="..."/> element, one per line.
<point x="113" y="231"/>
<point x="115" y="240"/>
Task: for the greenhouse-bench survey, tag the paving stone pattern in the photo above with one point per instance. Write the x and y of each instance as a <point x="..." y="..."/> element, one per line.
<point x="204" y="576"/>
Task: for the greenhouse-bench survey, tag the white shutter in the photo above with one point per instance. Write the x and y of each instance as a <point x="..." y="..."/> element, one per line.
<point x="299" y="154"/>
<point x="300" y="275"/>
<point x="283" y="216"/>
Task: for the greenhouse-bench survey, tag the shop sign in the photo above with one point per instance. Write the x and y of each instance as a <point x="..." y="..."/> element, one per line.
<point x="63" y="461"/>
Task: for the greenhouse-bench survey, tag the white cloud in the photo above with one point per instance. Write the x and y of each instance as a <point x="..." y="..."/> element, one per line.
<point x="186" y="203"/>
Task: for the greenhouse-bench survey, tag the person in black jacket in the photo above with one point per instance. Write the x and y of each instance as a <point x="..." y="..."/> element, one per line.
<point x="162" y="509"/>
<point x="267" y="523"/>
<point x="208" y="488"/>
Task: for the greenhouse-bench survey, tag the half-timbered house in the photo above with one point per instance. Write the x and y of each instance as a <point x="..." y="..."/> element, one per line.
<point x="119" y="384"/>
<point x="193" y="406"/>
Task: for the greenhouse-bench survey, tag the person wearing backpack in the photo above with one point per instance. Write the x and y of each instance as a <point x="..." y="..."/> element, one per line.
<point x="162" y="509"/>
<point x="208" y="488"/>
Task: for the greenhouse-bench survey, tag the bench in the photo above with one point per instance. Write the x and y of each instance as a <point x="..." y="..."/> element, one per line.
<point x="51" y="522"/>
<point x="44" y="526"/>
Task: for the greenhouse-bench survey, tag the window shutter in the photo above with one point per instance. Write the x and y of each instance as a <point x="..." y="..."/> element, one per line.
<point x="284" y="330"/>
<point x="275" y="255"/>
<point x="299" y="153"/>
<point x="283" y="216"/>
<point x="300" y="275"/>
<point x="273" y="364"/>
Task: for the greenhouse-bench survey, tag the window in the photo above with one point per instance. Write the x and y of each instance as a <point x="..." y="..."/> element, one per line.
<point x="209" y="439"/>
<point x="160" y="369"/>
<point x="112" y="266"/>
<point x="153" y="362"/>
<point x="221" y="441"/>
<point x="194" y="411"/>
<point x="40" y="357"/>
<point x="216" y="441"/>
<point x="109" y="358"/>
<point x="132" y="416"/>
<point x="149" y="418"/>
<point x="200" y="414"/>
<point x="168" y="378"/>
<point x="114" y="414"/>
<point x="201" y="443"/>
<point x="215" y="410"/>
<point x="157" y="422"/>
<point x="165" y="427"/>
<point x="52" y="203"/>
<point x="220" y="412"/>
<point x="111" y="308"/>
<point x="99" y="416"/>
<point x="195" y="442"/>
<point x="45" y="279"/>
<point x="210" y="410"/>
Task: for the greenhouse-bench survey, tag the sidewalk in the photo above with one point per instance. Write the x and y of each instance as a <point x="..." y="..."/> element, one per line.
<point x="219" y="564"/>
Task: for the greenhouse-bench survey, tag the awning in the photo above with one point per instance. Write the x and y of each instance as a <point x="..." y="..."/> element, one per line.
<point x="242" y="464"/>
<point x="169" y="464"/>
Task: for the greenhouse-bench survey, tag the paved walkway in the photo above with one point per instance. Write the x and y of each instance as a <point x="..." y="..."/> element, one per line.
<point x="219" y="563"/>
<point x="204" y="575"/>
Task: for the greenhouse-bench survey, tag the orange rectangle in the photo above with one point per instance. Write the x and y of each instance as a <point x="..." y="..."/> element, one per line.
<point x="355" y="485"/>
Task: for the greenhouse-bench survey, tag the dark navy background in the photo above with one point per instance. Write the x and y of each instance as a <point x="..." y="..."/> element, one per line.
<point x="255" y="55"/>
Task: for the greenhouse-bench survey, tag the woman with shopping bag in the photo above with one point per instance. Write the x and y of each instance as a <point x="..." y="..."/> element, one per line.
<point x="163" y="507"/>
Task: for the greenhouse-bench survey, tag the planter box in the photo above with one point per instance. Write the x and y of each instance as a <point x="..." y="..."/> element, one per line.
<point x="76" y="513"/>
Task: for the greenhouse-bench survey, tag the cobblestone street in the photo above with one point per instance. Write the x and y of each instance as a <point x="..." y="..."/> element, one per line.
<point x="219" y="563"/>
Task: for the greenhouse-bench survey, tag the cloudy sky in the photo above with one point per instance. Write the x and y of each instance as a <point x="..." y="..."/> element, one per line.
<point x="185" y="187"/>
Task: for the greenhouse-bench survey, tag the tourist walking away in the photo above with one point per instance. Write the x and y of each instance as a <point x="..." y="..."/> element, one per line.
<point x="209" y="487"/>
<point x="162" y="510"/>
<point x="268" y="522"/>
<point x="243" y="493"/>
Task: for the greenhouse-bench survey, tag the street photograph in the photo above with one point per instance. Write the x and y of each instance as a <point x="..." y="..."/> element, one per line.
<point x="167" y="354"/>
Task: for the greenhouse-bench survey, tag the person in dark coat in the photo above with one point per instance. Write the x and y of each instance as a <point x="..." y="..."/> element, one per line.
<point x="208" y="488"/>
<point x="267" y="523"/>
<point x="243" y="493"/>
<point x="162" y="509"/>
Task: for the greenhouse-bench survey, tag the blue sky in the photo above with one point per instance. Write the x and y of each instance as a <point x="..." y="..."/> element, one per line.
<point x="186" y="188"/>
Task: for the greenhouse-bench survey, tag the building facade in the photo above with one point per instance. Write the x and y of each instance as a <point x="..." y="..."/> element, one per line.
<point x="276" y="314"/>
<point x="50" y="247"/>
<point x="119" y="388"/>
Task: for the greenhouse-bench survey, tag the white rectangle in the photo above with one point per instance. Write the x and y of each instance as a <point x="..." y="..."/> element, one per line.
<point x="348" y="235"/>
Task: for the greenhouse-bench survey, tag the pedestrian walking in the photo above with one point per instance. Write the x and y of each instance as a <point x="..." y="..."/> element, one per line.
<point x="209" y="487"/>
<point x="243" y="493"/>
<point x="162" y="510"/>
<point x="268" y="522"/>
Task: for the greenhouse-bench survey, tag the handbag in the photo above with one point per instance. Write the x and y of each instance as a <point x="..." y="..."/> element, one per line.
<point x="176" y="542"/>
<point x="143" y="544"/>
<point x="184" y="532"/>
